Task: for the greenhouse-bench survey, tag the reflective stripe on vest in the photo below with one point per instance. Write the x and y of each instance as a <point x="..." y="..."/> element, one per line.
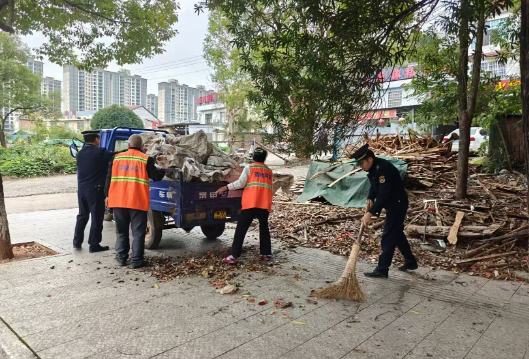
<point x="258" y="190"/>
<point x="129" y="185"/>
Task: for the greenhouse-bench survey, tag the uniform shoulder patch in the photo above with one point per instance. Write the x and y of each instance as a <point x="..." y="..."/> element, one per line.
<point x="381" y="179"/>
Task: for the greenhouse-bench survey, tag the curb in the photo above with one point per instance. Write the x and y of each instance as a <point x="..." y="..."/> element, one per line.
<point x="11" y="347"/>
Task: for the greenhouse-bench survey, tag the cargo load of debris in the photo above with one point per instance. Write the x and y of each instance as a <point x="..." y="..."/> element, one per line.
<point x="486" y="234"/>
<point x="200" y="160"/>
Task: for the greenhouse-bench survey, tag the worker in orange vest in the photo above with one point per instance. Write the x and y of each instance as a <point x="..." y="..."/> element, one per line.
<point x="128" y="194"/>
<point x="256" y="179"/>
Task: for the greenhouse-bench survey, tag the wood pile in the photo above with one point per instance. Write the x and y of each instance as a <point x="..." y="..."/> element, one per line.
<point x="486" y="234"/>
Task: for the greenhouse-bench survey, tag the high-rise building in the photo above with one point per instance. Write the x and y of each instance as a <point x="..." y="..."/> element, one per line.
<point x="50" y="85"/>
<point x="178" y="103"/>
<point x="91" y="91"/>
<point x="152" y="104"/>
<point x="36" y="66"/>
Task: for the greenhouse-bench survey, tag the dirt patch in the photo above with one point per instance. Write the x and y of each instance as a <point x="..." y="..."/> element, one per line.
<point x="28" y="251"/>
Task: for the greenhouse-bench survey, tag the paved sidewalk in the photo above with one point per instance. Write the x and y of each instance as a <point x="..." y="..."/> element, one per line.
<point x="81" y="305"/>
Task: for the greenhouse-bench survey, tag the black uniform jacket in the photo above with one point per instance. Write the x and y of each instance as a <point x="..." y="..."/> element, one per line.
<point x="387" y="188"/>
<point x="92" y="166"/>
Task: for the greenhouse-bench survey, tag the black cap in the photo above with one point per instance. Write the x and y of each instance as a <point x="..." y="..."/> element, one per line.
<point x="91" y="132"/>
<point x="360" y="153"/>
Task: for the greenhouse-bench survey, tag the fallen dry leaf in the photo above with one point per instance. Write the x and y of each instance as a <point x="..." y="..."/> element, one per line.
<point x="263" y="302"/>
<point x="228" y="289"/>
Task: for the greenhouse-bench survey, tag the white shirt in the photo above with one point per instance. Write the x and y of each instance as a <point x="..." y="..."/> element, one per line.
<point x="243" y="179"/>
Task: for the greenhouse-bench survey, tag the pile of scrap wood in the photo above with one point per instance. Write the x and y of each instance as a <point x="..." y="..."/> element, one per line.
<point x="486" y="234"/>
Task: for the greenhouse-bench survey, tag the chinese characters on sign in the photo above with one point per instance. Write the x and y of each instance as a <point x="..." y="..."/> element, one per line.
<point x="207" y="99"/>
<point x="206" y="195"/>
<point x="396" y="74"/>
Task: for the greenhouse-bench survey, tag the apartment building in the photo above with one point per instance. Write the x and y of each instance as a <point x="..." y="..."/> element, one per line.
<point x="177" y="103"/>
<point x="152" y="104"/>
<point x="37" y="67"/>
<point x="92" y="91"/>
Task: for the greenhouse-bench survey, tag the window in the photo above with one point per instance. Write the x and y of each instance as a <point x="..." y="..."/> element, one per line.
<point x="208" y="118"/>
<point x="394" y="98"/>
<point x="222" y="117"/>
<point x="495" y="68"/>
<point x="121" y="145"/>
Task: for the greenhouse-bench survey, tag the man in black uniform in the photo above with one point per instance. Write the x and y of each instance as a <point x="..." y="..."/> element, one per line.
<point x="92" y="167"/>
<point x="386" y="192"/>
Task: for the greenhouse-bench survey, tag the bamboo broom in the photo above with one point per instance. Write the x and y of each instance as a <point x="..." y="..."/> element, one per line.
<point x="347" y="287"/>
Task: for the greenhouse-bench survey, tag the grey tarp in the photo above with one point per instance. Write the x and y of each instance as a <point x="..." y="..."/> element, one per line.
<point x="350" y="192"/>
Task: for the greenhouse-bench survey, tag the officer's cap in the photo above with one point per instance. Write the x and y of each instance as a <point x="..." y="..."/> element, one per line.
<point x="361" y="153"/>
<point x="90" y="135"/>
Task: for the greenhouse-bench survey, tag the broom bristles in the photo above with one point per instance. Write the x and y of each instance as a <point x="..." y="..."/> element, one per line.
<point x="346" y="288"/>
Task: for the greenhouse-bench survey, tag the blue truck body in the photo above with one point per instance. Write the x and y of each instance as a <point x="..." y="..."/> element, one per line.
<point x="179" y="204"/>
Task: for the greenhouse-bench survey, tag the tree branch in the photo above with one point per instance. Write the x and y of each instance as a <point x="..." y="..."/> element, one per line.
<point x="80" y="7"/>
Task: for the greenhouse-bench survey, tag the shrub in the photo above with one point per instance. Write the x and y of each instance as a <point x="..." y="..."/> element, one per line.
<point x="36" y="160"/>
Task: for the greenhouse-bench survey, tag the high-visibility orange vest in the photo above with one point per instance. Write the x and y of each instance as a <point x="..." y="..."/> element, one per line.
<point x="258" y="190"/>
<point x="129" y="186"/>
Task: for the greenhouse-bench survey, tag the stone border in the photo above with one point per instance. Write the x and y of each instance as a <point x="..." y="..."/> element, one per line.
<point x="11" y="345"/>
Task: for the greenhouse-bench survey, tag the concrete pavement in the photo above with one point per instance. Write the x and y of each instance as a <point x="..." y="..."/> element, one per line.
<point x="81" y="305"/>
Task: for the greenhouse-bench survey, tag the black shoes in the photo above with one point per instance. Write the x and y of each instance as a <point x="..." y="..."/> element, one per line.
<point x="375" y="274"/>
<point x="407" y="267"/>
<point x="139" y="265"/>
<point x="98" y="248"/>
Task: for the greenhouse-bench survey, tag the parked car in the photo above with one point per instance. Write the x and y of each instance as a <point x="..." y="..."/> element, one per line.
<point x="477" y="136"/>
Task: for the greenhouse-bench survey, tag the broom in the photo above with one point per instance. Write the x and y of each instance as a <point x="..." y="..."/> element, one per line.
<point x="347" y="287"/>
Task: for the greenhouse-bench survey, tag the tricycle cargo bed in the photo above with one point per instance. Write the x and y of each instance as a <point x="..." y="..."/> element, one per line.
<point x="195" y="203"/>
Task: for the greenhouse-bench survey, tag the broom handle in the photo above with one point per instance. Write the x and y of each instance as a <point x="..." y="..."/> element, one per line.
<point x="351" y="262"/>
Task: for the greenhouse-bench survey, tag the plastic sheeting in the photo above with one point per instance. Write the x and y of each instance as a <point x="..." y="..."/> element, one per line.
<point x="350" y="192"/>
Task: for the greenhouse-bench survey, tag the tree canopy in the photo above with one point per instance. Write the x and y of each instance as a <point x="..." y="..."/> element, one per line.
<point x="115" y="116"/>
<point x="20" y="89"/>
<point x="313" y="63"/>
<point x="93" y="33"/>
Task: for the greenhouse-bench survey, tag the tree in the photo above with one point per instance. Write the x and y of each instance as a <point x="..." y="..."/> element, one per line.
<point x="524" y="67"/>
<point x="313" y="63"/>
<point x="75" y="29"/>
<point x="434" y="86"/>
<point x="116" y="116"/>
<point x="233" y="83"/>
<point x="20" y="88"/>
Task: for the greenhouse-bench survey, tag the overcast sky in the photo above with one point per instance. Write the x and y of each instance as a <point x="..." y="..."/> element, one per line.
<point x="182" y="59"/>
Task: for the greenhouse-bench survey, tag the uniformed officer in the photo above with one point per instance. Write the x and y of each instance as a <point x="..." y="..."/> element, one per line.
<point x="92" y="167"/>
<point x="386" y="192"/>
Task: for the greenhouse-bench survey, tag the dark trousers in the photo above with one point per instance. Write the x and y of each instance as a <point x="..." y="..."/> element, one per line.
<point x="393" y="237"/>
<point x="244" y="223"/>
<point x="91" y="204"/>
<point x="136" y="220"/>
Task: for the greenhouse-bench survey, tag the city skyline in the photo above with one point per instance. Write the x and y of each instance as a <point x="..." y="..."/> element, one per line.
<point x="182" y="60"/>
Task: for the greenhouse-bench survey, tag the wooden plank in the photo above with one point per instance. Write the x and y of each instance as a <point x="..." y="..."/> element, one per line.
<point x="492" y="256"/>
<point x="487" y="190"/>
<point x="452" y="236"/>
<point x="328" y="169"/>
<point x="345" y="175"/>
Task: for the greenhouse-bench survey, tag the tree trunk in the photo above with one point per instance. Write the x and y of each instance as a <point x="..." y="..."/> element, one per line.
<point x="6" y="252"/>
<point x="462" y="103"/>
<point x="3" y="142"/>
<point x="524" y="67"/>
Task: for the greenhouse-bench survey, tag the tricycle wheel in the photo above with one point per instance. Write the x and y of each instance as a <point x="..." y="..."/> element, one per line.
<point x="213" y="231"/>
<point x="153" y="236"/>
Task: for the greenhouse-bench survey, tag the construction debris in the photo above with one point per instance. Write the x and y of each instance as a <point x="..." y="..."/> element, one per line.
<point x="487" y="230"/>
